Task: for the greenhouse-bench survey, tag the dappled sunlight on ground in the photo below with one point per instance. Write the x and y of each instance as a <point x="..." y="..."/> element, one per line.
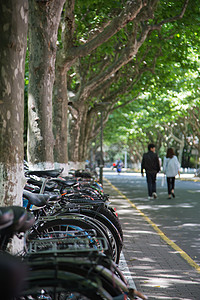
<point x="150" y="207"/>
<point x="138" y="232"/>
<point x="162" y="206"/>
<point x="146" y="271"/>
<point x="192" y="191"/>
<point x="158" y="270"/>
<point x="159" y="282"/>
<point x="190" y="225"/>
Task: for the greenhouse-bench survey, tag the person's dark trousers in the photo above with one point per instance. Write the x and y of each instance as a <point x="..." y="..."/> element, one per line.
<point x="151" y="182"/>
<point x="170" y="184"/>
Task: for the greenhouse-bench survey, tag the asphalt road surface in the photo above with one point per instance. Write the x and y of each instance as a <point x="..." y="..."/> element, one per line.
<point x="178" y="218"/>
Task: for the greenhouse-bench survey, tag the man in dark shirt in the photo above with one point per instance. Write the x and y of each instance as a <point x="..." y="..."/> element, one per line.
<point x="150" y="163"/>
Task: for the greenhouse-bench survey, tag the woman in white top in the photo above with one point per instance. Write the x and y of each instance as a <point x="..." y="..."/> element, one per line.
<point x="171" y="169"/>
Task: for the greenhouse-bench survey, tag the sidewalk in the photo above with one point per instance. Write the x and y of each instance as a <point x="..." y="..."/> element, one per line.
<point x="157" y="269"/>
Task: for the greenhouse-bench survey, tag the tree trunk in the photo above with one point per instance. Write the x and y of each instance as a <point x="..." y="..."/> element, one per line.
<point x="72" y="49"/>
<point x="181" y="147"/>
<point x="78" y="135"/>
<point x="13" y="32"/>
<point x="67" y="56"/>
<point x="84" y="129"/>
<point x="75" y="126"/>
<point x="43" y="27"/>
<point x="60" y="116"/>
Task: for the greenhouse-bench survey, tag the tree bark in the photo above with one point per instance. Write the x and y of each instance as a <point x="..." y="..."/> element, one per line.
<point x="69" y="55"/>
<point x="43" y="27"/>
<point x="77" y="134"/>
<point x="13" y="32"/>
<point x="60" y="117"/>
<point x="138" y="12"/>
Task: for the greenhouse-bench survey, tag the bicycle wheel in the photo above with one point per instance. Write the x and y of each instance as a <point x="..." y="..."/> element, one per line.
<point x="106" y="226"/>
<point x="107" y="211"/>
<point x="113" y="233"/>
<point x="70" y="223"/>
<point x="51" y="284"/>
<point x="48" y="265"/>
<point x="110" y="214"/>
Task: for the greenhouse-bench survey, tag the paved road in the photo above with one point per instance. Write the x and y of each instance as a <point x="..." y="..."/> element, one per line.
<point x="159" y="268"/>
<point x="178" y="218"/>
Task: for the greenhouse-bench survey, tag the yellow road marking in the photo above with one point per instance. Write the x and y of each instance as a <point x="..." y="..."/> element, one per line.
<point x="186" y="257"/>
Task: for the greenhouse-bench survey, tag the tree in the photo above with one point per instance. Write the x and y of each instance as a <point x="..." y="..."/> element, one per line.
<point x="88" y="93"/>
<point x="172" y="94"/>
<point x="73" y="48"/>
<point x="13" y="32"/>
<point x="168" y="118"/>
<point x="44" y="19"/>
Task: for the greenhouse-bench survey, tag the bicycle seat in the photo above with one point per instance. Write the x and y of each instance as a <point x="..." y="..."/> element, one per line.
<point x="28" y="223"/>
<point x="63" y="181"/>
<point x="45" y="173"/>
<point x="20" y="217"/>
<point x="39" y="183"/>
<point x="82" y="174"/>
<point x="6" y="217"/>
<point x="38" y="200"/>
<point x="32" y="188"/>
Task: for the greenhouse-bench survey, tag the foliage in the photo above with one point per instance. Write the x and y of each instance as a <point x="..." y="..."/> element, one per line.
<point x="170" y="93"/>
<point x="156" y="114"/>
<point x="155" y="89"/>
<point x="162" y="58"/>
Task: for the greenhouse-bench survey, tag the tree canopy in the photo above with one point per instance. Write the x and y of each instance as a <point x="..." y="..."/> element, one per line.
<point x="167" y="108"/>
<point x="135" y="57"/>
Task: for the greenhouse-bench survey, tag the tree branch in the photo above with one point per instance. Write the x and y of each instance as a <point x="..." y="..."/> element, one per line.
<point x="130" y="12"/>
<point x="172" y="19"/>
<point x="125" y="103"/>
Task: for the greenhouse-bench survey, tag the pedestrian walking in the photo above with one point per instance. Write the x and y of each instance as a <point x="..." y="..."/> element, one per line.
<point x="119" y="165"/>
<point x="151" y="164"/>
<point x="171" y="168"/>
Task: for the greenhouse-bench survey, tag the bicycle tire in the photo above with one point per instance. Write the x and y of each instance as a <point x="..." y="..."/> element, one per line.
<point x="114" y="235"/>
<point x="81" y="266"/>
<point x="110" y="214"/>
<point x="62" y="223"/>
<point x="106" y="226"/>
<point x="100" y="207"/>
<point x="57" y="284"/>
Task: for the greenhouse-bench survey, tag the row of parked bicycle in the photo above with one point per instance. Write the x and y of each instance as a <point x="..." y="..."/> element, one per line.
<point x="72" y="241"/>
